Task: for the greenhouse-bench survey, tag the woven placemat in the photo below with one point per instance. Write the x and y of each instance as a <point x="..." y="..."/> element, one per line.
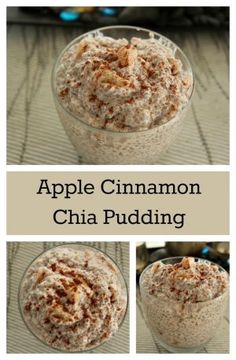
<point x="36" y="136"/>
<point x="19" y="256"/>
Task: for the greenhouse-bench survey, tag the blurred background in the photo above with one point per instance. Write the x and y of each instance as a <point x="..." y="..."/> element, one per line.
<point x="148" y="252"/>
<point x="37" y="35"/>
<point x="101" y="16"/>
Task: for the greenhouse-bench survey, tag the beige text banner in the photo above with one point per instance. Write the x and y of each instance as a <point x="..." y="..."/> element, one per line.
<point x="118" y="203"/>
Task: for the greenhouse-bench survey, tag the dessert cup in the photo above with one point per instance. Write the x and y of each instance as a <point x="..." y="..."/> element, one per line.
<point x="181" y="326"/>
<point x="104" y="146"/>
<point x="37" y="328"/>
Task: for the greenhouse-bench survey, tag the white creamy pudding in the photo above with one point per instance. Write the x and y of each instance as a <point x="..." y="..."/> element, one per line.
<point x="121" y="94"/>
<point x="122" y="85"/>
<point x="184" y="301"/>
<point x="73" y="298"/>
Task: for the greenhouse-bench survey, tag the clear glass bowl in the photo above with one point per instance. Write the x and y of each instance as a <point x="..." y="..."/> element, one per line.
<point x="33" y="326"/>
<point x="103" y="146"/>
<point x="182" y="327"/>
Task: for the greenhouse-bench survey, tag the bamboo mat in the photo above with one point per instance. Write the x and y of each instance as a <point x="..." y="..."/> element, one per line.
<point x="19" y="256"/>
<point x="35" y="134"/>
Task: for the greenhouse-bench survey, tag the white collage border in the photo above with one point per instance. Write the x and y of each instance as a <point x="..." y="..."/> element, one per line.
<point x="4" y="168"/>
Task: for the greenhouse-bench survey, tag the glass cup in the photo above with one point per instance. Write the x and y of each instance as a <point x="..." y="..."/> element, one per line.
<point x="182" y="327"/>
<point x="36" y="327"/>
<point x="103" y="146"/>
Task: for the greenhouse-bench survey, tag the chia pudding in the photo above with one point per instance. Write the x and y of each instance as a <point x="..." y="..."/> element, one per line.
<point x="121" y="99"/>
<point x="73" y="298"/>
<point x="184" y="301"/>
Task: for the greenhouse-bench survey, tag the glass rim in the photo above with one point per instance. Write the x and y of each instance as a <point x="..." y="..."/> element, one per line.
<point x="128" y="27"/>
<point x="66" y="245"/>
<point x="180" y="258"/>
